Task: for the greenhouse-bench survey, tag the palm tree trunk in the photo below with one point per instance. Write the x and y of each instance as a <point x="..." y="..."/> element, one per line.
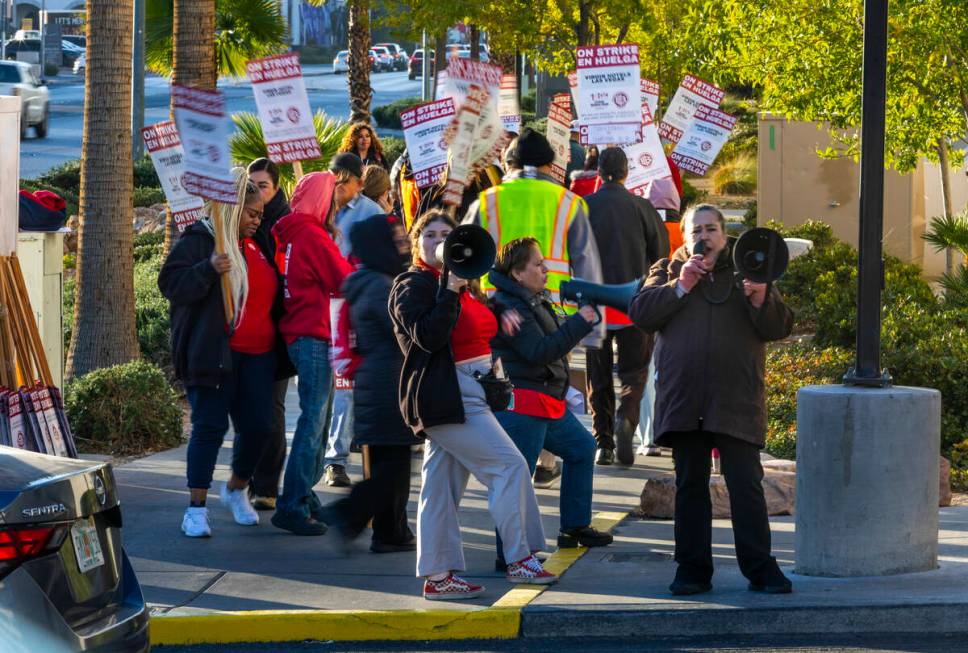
<point x="475" y="37"/>
<point x="104" y="325"/>
<point x="193" y="60"/>
<point x="359" y="61"/>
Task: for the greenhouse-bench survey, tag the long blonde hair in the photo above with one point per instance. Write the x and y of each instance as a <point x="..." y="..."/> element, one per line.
<point x="230" y="215"/>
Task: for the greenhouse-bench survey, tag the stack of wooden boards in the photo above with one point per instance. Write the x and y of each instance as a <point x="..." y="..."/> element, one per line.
<point x="31" y="407"/>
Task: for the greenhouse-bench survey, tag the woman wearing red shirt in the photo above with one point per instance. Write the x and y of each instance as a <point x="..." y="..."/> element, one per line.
<point x="444" y="333"/>
<point x="227" y="369"/>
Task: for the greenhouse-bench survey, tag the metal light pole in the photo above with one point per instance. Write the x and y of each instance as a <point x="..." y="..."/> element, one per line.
<point x="138" y="80"/>
<point x="43" y="38"/>
<point x="425" y="70"/>
<point x="870" y="267"/>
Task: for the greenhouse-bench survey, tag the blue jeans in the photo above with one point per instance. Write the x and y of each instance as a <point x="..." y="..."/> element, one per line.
<point x="340" y="428"/>
<point x="569" y="440"/>
<point x="304" y="467"/>
<point x="246" y="397"/>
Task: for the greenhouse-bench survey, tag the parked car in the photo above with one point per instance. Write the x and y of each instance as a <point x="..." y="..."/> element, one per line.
<point x="78" y="40"/>
<point x="464" y="52"/>
<point x="385" y="60"/>
<point x="66" y="583"/>
<point x="415" y="65"/>
<point x="340" y="64"/>
<point x="18" y="78"/>
<point x="70" y="52"/>
<point x="80" y="64"/>
<point x="399" y="55"/>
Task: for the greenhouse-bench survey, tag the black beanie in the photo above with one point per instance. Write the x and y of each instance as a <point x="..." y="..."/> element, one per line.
<point x="533" y="149"/>
<point x="371" y="241"/>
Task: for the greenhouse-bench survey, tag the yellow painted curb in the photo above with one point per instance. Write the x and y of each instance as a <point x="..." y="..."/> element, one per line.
<point x="298" y="625"/>
<point x="499" y="621"/>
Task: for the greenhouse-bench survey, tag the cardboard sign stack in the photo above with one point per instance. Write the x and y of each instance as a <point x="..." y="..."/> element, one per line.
<point x="32" y="413"/>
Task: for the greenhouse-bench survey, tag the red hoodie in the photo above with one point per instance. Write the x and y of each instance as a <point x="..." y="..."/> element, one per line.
<point x="312" y="267"/>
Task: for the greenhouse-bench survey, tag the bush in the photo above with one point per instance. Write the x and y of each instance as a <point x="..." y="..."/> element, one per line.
<point x="537" y="124"/>
<point x="749" y="218"/>
<point x="51" y="69"/>
<point x="388" y="115"/>
<point x="124" y="410"/>
<point x="145" y="196"/>
<point x="529" y="101"/>
<point x="393" y="147"/>
<point x="144" y="173"/>
<point x="691" y="195"/>
<point x="736" y="176"/>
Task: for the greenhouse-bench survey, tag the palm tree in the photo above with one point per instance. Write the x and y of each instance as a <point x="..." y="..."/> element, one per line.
<point x="244" y="30"/>
<point x="103" y="333"/>
<point x="359" y="61"/>
<point x="950" y="233"/>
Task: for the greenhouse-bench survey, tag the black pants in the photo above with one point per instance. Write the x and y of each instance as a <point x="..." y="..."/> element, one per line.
<point x="634" y="351"/>
<point x="265" y="480"/>
<point x="740" y="465"/>
<point x="382" y="497"/>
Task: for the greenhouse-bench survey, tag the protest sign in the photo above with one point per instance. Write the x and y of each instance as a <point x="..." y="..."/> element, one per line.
<point x="423" y="130"/>
<point x="280" y="97"/>
<point x="573" y="87"/>
<point x="559" y="135"/>
<point x="201" y="121"/>
<point x="460" y="136"/>
<point x="166" y="152"/>
<point x="650" y="95"/>
<point x="609" y="95"/>
<point x="647" y="161"/>
<point x="707" y="134"/>
<point x="508" y="104"/>
<point x="464" y="73"/>
<point x="692" y="93"/>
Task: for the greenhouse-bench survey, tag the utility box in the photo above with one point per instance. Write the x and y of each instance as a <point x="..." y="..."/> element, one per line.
<point x="41" y="256"/>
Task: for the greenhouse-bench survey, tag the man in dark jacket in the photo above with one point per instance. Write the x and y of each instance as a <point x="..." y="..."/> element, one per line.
<point x="630" y="237"/>
<point x="710" y="392"/>
<point x="264" y="485"/>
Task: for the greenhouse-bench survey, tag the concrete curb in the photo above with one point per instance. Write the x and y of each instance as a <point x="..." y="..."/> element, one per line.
<point x="609" y="621"/>
<point x="499" y="621"/>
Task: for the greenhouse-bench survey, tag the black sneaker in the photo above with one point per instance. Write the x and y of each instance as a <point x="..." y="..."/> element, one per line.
<point x="583" y="536"/>
<point x="624" y="450"/>
<point x="605" y="457"/>
<point x="336" y="476"/>
<point x="390" y="547"/>
<point x="776" y="583"/>
<point x="545" y="478"/>
<point x="686" y="588"/>
<point x="296" y="525"/>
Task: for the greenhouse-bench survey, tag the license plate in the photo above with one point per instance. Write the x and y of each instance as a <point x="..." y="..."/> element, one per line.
<point x="87" y="546"/>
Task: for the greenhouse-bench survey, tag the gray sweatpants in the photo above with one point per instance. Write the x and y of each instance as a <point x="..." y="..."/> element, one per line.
<point x="480" y="447"/>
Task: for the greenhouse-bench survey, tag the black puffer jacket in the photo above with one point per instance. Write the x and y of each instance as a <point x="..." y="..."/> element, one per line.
<point x="199" y="343"/>
<point x="271" y="213"/>
<point x="376" y="407"/>
<point x="535" y="357"/>
<point x="422" y="321"/>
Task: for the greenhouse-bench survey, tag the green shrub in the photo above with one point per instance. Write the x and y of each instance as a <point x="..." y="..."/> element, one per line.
<point x="537" y="124"/>
<point x="736" y="176"/>
<point x="144" y="173"/>
<point x="146" y="196"/>
<point x="51" y="69"/>
<point x="529" y="101"/>
<point x="393" y="147"/>
<point x="691" y="195"/>
<point x="750" y="217"/>
<point x="124" y="410"/>
<point x="151" y="314"/>
<point x="388" y="115"/>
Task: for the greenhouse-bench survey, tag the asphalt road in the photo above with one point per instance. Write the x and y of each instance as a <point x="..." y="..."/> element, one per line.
<point x="63" y="143"/>
<point x="765" y="644"/>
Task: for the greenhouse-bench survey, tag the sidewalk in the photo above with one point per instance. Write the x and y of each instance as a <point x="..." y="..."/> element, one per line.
<point x="263" y="584"/>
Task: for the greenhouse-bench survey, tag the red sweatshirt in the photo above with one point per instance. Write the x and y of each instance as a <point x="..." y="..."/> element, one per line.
<point x="256" y="333"/>
<point x="313" y="269"/>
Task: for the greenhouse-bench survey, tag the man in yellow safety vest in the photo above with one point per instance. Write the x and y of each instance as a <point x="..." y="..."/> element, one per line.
<point x="530" y="202"/>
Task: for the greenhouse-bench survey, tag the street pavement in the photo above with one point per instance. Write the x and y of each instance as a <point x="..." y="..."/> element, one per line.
<point x="63" y="143"/>
<point x="614" y="592"/>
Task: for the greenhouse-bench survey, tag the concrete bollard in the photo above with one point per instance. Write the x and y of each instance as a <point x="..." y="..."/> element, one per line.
<point x="867" y="480"/>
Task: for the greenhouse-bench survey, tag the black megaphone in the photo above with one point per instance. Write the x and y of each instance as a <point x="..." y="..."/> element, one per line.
<point x="617" y="296"/>
<point x="761" y="255"/>
<point x="468" y="251"/>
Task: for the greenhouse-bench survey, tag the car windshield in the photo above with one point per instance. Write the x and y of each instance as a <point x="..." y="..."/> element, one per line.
<point x="9" y="75"/>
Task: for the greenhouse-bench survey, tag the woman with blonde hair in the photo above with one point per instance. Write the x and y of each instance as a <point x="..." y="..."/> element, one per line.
<point x="361" y="140"/>
<point x="223" y="348"/>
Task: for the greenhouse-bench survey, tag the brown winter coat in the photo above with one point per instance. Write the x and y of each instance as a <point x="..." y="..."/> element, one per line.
<point x="710" y="354"/>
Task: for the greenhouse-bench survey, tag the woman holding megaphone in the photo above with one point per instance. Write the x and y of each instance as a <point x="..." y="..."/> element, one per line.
<point x="710" y="357"/>
<point x="444" y="331"/>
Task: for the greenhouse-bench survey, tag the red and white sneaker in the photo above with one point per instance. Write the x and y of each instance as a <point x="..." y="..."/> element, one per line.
<point x="452" y="588"/>
<point x="530" y="571"/>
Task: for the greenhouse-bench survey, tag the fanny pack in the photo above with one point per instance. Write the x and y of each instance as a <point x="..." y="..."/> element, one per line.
<point x="498" y="389"/>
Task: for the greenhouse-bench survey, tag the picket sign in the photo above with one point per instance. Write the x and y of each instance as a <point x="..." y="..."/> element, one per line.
<point x="691" y="94"/>
<point x="508" y="106"/>
<point x="609" y="94"/>
<point x="460" y="136"/>
<point x="650" y="95"/>
<point x="168" y="157"/>
<point x="203" y="126"/>
<point x="283" y="107"/>
<point x="708" y="132"/>
<point x="559" y="135"/>
<point x="647" y="161"/>
<point x="423" y="131"/>
<point x="462" y="74"/>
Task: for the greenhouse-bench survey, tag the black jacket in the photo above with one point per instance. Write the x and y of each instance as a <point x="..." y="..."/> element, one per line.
<point x="422" y="321"/>
<point x="199" y="343"/>
<point x="535" y="358"/>
<point x="271" y="213"/>
<point x="629" y="231"/>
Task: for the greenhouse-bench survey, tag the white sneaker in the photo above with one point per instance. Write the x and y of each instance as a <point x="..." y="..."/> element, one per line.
<point x="195" y="522"/>
<point x="238" y="501"/>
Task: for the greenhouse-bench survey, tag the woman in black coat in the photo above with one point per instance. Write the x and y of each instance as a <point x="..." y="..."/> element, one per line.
<point x="383" y="249"/>
<point x="534" y="356"/>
